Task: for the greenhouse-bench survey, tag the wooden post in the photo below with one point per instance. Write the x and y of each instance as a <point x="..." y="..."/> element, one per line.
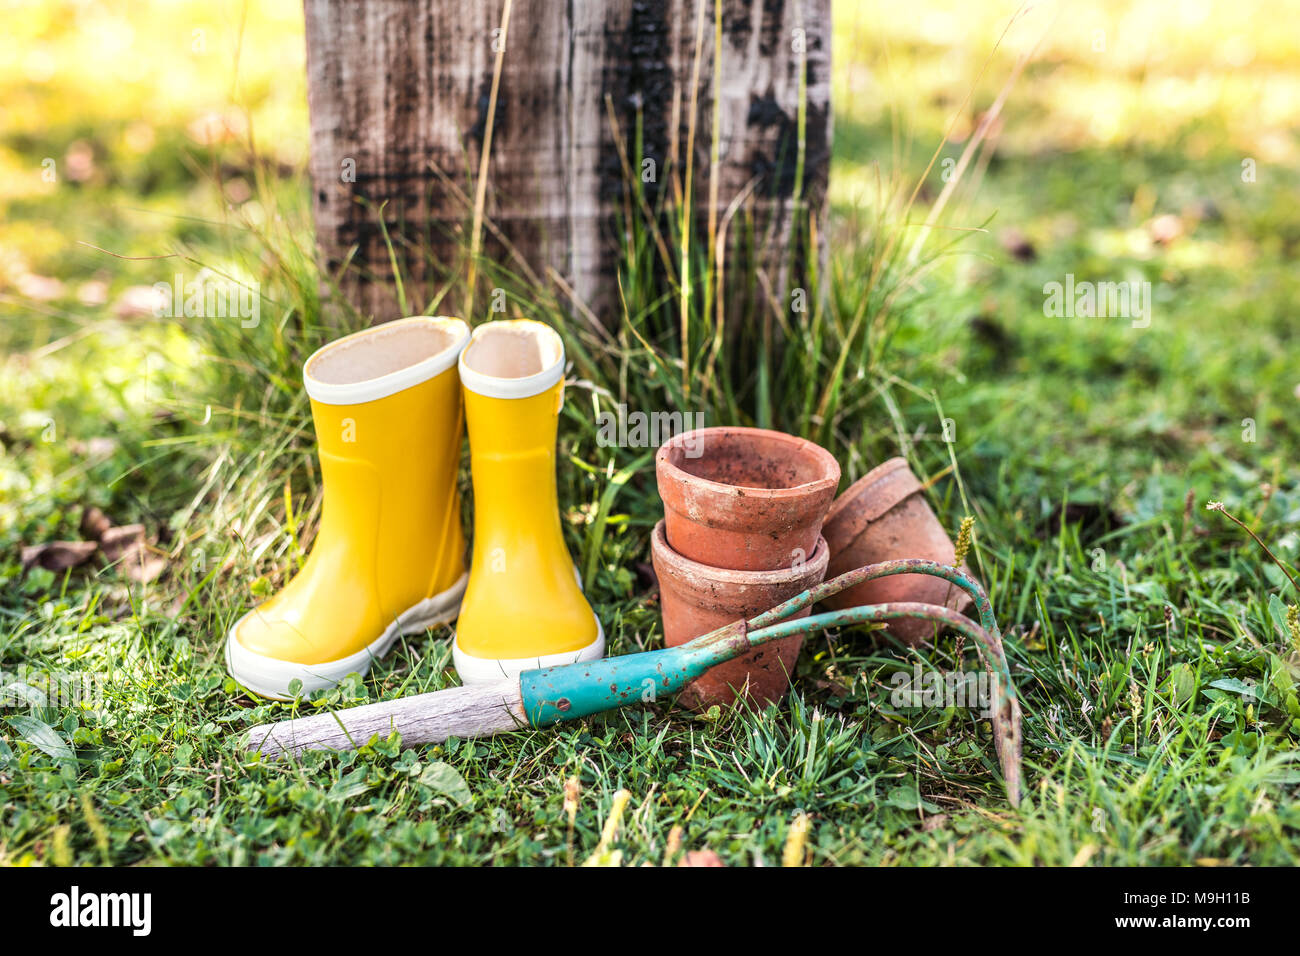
<point x="399" y="93"/>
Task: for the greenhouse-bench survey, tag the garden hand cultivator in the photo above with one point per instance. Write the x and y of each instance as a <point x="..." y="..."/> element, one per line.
<point x="538" y="698"/>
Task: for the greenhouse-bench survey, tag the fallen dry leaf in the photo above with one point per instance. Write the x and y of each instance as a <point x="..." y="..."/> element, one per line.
<point x="142" y="566"/>
<point x="123" y="545"/>
<point x="79" y="161"/>
<point x="40" y="288"/>
<point x="1166" y="228"/>
<point x="701" y="858"/>
<point x="126" y="547"/>
<point x="94" y="523"/>
<point x="99" y="447"/>
<point x="117" y="543"/>
<point x="58" y="555"/>
<point x="92" y="292"/>
<point x="214" y="127"/>
<point x="1018" y="245"/>
<point x="138" y="302"/>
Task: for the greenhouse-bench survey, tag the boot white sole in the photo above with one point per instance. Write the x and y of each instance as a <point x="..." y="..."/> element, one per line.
<point x="480" y="670"/>
<point x="270" y="677"/>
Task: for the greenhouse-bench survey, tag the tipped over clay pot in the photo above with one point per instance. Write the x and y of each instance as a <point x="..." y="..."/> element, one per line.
<point x="697" y="598"/>
<point x="746" y="499"/>
<point x="883" y="516"/>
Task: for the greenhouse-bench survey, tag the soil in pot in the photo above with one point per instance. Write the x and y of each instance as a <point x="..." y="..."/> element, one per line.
<point x="744" y="499"/>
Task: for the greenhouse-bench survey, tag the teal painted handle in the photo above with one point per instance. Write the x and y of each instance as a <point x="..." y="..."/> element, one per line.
<point x="568" y="691"/>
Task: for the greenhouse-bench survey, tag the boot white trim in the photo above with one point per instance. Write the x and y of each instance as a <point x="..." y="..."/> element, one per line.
<point x="480" y="670"/>
<point x="270" y="677"/>
<point x="388" y="383"/>
<point x="547" y="358"/>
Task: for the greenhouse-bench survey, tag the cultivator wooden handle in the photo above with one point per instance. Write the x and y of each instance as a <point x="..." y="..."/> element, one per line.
<point x="538" y="698"/>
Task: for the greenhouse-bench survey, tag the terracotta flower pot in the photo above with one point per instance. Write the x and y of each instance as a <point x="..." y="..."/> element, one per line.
<point x="882" y="516"/>
<point x="697" y="598"/>
<point x="746" y="499"/>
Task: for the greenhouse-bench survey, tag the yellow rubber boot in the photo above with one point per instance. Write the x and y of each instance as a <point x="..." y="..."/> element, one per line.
<point x="524" y="608"/>
<point x="389" y="556"/>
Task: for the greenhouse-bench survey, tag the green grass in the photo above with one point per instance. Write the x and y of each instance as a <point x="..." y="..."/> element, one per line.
<point x="1146" y="634"/>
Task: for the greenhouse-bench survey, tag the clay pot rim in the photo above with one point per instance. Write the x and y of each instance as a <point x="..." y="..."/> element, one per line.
<point x="682" y="566"/>
<point x="830" y="467"/>
<point x="853" y="496"/>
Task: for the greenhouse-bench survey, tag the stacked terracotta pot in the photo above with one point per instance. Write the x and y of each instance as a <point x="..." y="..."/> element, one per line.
<point x="743" y="531"/>
<point x="884" y="516"/>
<point x="743" y="512"/>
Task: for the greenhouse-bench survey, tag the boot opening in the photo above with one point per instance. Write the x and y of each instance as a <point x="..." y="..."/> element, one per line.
<point x="507" y="349"/>
<point x="752" y="458"/>
<point x="383" y="351"/>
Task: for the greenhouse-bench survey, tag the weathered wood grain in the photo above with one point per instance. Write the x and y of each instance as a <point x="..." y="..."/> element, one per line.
<point x="398" y="92"/>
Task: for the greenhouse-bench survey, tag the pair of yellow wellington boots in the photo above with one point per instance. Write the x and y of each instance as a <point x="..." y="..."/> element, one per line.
<point x="388" y="405"/>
